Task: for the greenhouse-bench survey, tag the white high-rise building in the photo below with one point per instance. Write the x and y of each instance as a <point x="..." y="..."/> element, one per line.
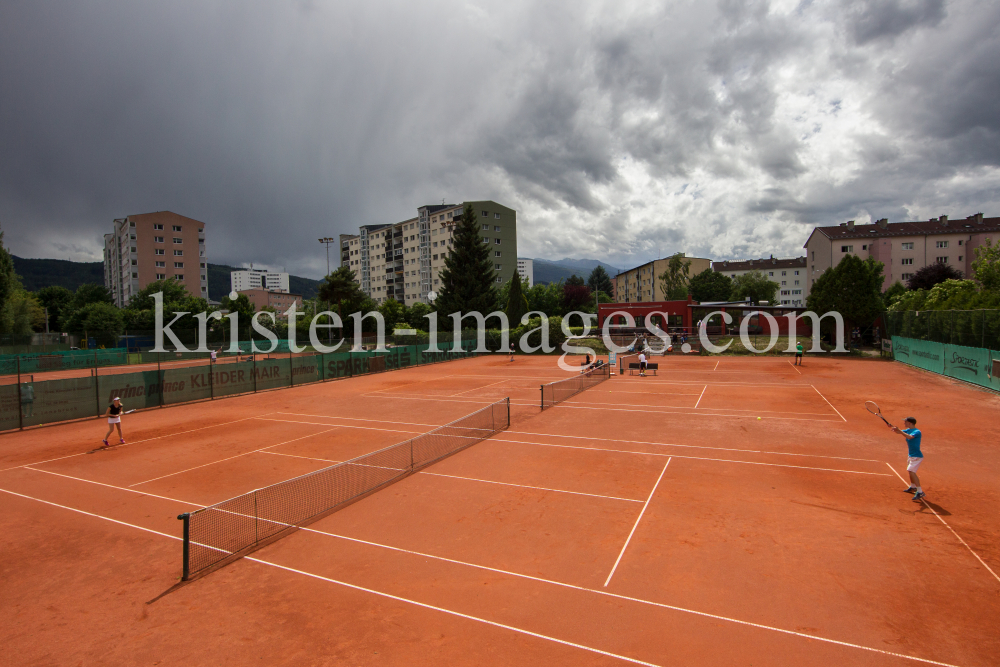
<point x="246" y="279"/>
<point x="526" y="269"/>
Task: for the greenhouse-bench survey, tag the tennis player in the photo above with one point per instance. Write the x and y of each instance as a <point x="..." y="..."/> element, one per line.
<point x="114" y="415"/>
<point x="512" y="351"/>
<point x="798" y="354"/>
<point x="914" y="456"/>
<point x="642" y="364"/>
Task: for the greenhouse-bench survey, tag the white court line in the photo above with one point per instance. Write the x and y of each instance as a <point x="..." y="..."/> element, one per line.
<point x="353" y="419"/>
<point x="678" y="407"/>
<point x="656" y="380"/>
<point x="651" y="393"/>
<point x="618" y="596"/>
<point x="717" y="365"/>
<point x="454" y="613"/>
<point x="795" y="367"/>
<point x="478" y="388"/>
<point x="636" y="524"/>
<point x="696" y="458"/>
<point x="941" y="519"/>
<point x="363" y="428"/>
<point x="671" y="444"/>
<point x="230" y="458"/>
<point x="297" y="456"/>
<point x="112" y="486"/>
<point x="135" y="442"/>
<point x="525" y="576"/>
<point x="526" y="486"/>
<point x="665" y="410"/>
<point x="828" y="402"/>
<point x="700" y="396"/>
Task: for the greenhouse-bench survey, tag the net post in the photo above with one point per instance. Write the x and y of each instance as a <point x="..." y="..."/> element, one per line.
<point x="97" y="388"/>
<point x="508" y="412"/>
<point x="186" y="518"/>
<point x="253" y="359"/>
<point x="291" y="370"/>
<point x="159" y="376"/>
<point x="541" y="389"/>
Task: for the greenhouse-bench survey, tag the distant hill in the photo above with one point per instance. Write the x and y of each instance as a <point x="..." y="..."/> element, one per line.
<point x="550" y="271"/>
<point x="38" y="273"/>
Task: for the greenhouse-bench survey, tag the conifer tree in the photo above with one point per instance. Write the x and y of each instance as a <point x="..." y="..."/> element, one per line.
<point x="468" y="282"/>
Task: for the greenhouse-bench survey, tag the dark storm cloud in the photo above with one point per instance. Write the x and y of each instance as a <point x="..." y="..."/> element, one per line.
<point x="616" y="130"/>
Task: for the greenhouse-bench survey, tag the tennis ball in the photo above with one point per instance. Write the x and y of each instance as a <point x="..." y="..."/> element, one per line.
<point x="758" y="418"/>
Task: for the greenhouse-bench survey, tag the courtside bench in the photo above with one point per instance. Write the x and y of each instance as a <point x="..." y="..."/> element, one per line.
<point x="634" y="367"/>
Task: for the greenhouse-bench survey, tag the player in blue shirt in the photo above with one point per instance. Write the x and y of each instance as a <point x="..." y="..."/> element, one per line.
<point x="914" y="456"/>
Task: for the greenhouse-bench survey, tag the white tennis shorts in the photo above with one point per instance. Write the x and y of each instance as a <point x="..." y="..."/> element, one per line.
<point x="114" y="420"/>
<point x="913" y="462"/>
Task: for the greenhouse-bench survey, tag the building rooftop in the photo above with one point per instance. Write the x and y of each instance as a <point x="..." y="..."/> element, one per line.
<point x="974" y="224"/>
<point x="767" y="262"/>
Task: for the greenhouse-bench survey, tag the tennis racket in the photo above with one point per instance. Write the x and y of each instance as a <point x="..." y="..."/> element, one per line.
<point x="873" y="408"/>
<point x="128" y="412"/>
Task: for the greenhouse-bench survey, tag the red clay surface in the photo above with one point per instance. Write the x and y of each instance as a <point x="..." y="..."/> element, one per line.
<point x="648" y="521"/>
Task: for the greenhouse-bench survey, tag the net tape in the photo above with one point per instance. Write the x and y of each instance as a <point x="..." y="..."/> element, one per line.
<point x="236" y="526"/>
<point x="557" y="392"/>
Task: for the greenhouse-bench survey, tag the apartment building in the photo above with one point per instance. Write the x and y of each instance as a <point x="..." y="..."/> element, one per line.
<point x="404" y="260"/>
<point x="790" y="274"/>
<point x="526" y="269"/>
<point x="642" y="283"/>
<point x="148" y="247"/>
<point x="279" y="300"/>
<point x="255" y="279"/>
<point x="903" y="247"/>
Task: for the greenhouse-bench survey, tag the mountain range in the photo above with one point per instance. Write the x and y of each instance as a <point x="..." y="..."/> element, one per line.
<point x="551" y="271"/>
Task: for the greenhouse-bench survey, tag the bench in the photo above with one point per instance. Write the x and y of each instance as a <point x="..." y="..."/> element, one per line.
<point x="634" y="367"/>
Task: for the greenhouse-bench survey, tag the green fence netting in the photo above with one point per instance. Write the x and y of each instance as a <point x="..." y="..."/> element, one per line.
<point x="165" y="382"/>
<point x="970" y="328"/>
<point x="972" y="364"/>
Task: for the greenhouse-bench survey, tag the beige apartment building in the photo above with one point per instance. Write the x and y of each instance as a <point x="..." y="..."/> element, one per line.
<point x="403" y="261"/>
<point x="280" y="301"/>
<point x="903" y="247"/>
<point x="155" y="246"/>
<point x="790" y="274"/>
<point x="642" y="283"/>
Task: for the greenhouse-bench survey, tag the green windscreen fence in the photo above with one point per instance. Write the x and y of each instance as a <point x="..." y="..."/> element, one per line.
<point x="972" y="364"/>
<point x="37" y="401"/>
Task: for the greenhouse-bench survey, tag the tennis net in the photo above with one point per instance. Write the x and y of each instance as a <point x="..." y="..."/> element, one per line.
<point x="557" y="392"/>
<point x="235" y="527"/>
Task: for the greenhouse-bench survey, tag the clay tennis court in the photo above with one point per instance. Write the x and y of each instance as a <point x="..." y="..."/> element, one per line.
<point x="651" y="521"/>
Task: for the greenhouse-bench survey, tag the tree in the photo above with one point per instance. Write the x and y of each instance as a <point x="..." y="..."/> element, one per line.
<point x="242" y="305"/>
<point x="341" y="289"/>
<point x="517" y="303"/>
<point x="54" y="298"/>
<point x="21" y="314"/>
<point x="853" y="288"/>
<point x="711" y="285"/>
<point x="986" y="266"/>
<point x="600" y="281"/>
<point x="894" y="293"/>
<point x="575" y="281"/>
<point x="931" y="275"/>
<point x="468" y="282"/>
<point x="674" y="281"/>
<point x="546" y="298"/>
<point x="576" y="297"/>
<point x="98" y="319"/>
<point x="8" y="279"/>
<point x="140" y="313"/>
<point x="393" y="312"/>
<point x="416" y="315"/>
<point x="756" y="285"/>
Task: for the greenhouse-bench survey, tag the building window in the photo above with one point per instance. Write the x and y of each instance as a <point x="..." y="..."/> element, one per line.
<point x="178" y="253"/>
<point x="941" y="260"/>
<point x="940" y="244"/>
<point x="907" y="246"/>
<point x="796" y="273"/>
<point x="496" y="228"/>
<point x="486" y="214"/>
<point x="499" y="279"/>
<point x="906" y="260"/>
<point x="960" y="258"/>
<point x="156" y="226"/>
<point x="497" y="253"/>
<point x="158" y="251"/>
<point x="770" y="273"/>
<point x="959" y="242"/>
<point x="158" y="239"/>
<point x="177" y="240"/>
<point x="486" y="240"/>
<point x="497" y="241"/>
<point x="135" y="262"/>
<point x="177" y="228"/>
<point x="814" y="255"/>
<point x="499" y="267"/>
<point x="784" y="273"/>
<point x="178" y="265"/>
<point x="846" y="248"/>
<point x="864" y="247"/>
<point x="161" y="276"/>
<point x="161" y="265"/>
<point x="435" y="256"/>
<point x="906" y="276"/>
<point x="486" y="228"/>
<point x="783" y="283"/>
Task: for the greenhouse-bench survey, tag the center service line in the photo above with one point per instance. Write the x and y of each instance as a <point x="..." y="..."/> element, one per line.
<point x="644" y="506"/>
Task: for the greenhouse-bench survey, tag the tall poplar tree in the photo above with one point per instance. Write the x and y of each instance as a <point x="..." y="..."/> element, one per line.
<point x="468" y="282"/>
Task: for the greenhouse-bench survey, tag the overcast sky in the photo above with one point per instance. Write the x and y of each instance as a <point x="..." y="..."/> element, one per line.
<point x="618" y="130"/>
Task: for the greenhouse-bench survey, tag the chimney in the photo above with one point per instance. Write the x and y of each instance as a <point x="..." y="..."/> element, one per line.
<point x="978" y="218"/>
<point x="883" y="223"/>
<point x="944" y="220"/>
<point x="850" y="225"/>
